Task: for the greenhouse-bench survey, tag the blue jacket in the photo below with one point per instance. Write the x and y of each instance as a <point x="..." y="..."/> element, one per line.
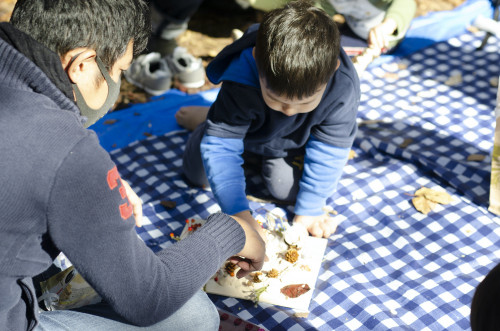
<point x="240" y="120"/>
<point x="60" y="191"/>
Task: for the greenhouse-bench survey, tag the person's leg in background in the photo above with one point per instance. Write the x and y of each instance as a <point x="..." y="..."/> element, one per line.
<point x="169" y="19"/>
<point x="165" y="63"/>
<point x="198" y="313"/>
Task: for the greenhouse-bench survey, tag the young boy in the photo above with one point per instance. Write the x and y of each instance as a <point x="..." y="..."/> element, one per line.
<point x="287" y="91"/>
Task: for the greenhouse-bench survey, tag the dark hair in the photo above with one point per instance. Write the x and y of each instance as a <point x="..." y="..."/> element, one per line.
<point x="107" y="26"/>
<point x="485" y="304"/>
<point x="297" y="49"/>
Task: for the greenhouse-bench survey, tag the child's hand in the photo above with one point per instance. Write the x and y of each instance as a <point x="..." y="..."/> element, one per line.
<point x="321" y="226"/>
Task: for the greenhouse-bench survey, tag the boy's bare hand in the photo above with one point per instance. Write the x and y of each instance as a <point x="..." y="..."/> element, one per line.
<point x="252" y="256"/>
<point x="321" y="226"/>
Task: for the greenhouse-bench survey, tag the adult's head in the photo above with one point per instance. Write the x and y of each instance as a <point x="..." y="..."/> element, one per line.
<point x="95" y="39"/>
<point x="297" y="50"/>
<point x="106" y="26"/>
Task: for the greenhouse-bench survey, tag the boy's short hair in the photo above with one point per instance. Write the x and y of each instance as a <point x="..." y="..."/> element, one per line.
<point x="297" y="49"/>
<point x="107" y="26"/>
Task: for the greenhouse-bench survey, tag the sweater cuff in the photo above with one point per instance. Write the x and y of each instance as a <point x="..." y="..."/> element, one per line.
<point x="309" y="204"/>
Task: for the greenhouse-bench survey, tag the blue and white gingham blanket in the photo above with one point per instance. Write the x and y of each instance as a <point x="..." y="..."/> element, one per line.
<point x="388" y="267"/>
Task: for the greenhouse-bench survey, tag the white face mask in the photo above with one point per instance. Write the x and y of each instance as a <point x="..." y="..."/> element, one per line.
<point x="93" y="115"/>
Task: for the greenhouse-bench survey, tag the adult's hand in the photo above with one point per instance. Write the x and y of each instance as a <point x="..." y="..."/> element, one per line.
<point x="252" y="256"/>
<point x="321" y="226"/>
<point x="135" y="201"/>
<point x="247" y="216"/>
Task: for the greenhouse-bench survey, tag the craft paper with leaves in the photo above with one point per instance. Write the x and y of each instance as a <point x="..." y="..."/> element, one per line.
<point x="287" y="279"/>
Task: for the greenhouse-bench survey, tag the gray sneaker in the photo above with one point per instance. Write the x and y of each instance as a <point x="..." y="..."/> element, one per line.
<point x="151" y="73"/>
<point x="188" y="70"/>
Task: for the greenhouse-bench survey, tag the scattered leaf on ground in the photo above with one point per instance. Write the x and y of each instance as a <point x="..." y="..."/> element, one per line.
<point x="168" y="204"/>
<point x="391" y="75"/>
<point x="476" y="157"/>
<point x="494" y="81"/>
<point x="402" y="66"/>
<point x="423" y="205"/>
<point x="406" y="142"/>
<point x="454" y="79"/>
<point x="110" y="121"/>
<point x="434" y="196"/>
<point x="352" y="154"/>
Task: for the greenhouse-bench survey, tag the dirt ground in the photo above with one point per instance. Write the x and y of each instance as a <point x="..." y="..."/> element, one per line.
<point x="210" y="30"/>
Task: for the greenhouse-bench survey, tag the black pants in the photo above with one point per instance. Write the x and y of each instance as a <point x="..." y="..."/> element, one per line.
<point x="177" y="11"/>
<point x="280" y="175"/>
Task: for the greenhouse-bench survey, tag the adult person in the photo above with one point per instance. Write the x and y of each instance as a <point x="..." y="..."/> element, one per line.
<point x="60" y="68"/>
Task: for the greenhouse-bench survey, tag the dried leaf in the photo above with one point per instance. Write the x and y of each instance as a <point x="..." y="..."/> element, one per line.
<point x="454" y="79"/>
<point x="352" y="155"/>
<point x="476" y="157"/>
<point x="434" y="196"/>
<point x="295" y="290"/>
<point x="168" y="204"/>
<point x="494" y="81"/>
<point x="423" y="205"/>
<point x="391" y="75"/>
<point x="402" y="66"/>
<point x="406" y="142"/>
<point x="110" y="121"/>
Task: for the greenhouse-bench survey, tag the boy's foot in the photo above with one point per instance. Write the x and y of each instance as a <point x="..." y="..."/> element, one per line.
<point x="191" y="116"/>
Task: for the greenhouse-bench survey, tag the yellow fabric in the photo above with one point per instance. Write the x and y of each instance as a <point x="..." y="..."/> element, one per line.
<point x="495" y="172"/>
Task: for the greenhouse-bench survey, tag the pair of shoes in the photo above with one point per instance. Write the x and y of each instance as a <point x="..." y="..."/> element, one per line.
<point x="151" y="73"/>
<point x="154" y="73"/>
<point x="187" y="69"/>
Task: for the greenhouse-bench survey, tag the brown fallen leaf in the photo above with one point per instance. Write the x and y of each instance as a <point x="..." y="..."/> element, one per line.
<point x="434" y="196"/>
<point x="476" y="157"/>
<point x="423" y="205"/>
<point x="168" y="204"/>
<point x="110" y="121"/>
<point x="406" y="142"/>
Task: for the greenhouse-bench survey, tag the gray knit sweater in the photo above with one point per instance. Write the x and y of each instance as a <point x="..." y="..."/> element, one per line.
<point x="60" y="191"/>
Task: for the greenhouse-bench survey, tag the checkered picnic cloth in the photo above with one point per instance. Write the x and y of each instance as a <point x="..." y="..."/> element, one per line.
<point x="388" y="267"/>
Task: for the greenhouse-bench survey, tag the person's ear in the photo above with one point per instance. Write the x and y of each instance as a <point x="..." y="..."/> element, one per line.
<point x="78" y="64"/>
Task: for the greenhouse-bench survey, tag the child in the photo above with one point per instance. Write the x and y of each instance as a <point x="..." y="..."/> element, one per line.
<point x="287" y="91"/>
